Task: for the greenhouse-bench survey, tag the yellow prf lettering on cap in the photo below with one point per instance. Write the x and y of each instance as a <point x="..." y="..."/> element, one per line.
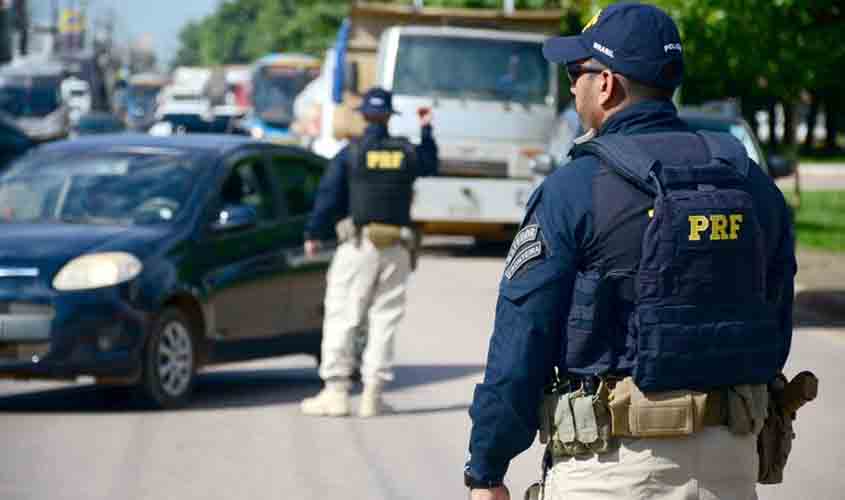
<point x="591" y="22"/>
<point x="697" y="224"/>
<point x="719" y="224"/>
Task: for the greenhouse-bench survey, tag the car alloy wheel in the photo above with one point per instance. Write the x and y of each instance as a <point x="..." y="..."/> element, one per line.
<point x="175" y="358"/>
<point x="170" y="361"/>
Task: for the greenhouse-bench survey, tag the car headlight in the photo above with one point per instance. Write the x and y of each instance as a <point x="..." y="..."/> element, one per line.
<point x="97" y="270"/>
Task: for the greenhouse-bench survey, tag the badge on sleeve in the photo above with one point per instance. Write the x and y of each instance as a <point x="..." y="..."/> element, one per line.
<point x="527" y="245"/>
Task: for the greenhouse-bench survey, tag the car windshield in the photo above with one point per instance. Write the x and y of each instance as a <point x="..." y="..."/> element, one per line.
<point x="121" y="189"/>
<point x="735" y="129"/>
<point x="29" y="101"/>
<point x="479" y="69"/>
<point x="275" y="88"/>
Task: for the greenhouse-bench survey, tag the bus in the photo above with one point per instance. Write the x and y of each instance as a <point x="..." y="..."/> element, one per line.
<point x="276" y="81"/>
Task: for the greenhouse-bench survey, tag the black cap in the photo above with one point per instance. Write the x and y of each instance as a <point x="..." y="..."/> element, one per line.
<point x="377" y="101"/>
<point x="639" y="41"/>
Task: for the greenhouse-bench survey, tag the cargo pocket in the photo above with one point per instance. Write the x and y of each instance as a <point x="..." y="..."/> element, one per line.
<point x="580" y="336"/>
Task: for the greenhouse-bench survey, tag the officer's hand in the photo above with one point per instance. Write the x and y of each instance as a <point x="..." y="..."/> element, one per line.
<point x="311" y="247"/>
<point x="425" y="116"/>
<point x="497" y="493"/>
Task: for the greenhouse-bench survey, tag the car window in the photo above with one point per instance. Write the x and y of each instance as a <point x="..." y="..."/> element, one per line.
<point x="247" y="184"/>
<point x="299" y="181"/>
<point x="97" y="188"/>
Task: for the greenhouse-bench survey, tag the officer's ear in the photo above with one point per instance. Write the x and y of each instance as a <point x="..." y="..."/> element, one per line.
<point x="611" y="92"/>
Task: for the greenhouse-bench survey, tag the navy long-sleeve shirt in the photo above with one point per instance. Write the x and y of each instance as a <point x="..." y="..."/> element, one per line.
<point x="529" y="334"/>
<point x="332" y="203"/>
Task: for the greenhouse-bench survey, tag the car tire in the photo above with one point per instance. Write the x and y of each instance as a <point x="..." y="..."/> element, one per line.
<point x="169" y="363"/>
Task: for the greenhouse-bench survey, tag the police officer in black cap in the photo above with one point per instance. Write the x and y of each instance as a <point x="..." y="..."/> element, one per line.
<point x="646" y="300"/>
<point x="369" y="187"/>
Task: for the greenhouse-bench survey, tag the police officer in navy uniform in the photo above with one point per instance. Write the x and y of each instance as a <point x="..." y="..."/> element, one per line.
<point x="657" y="256"/>
<point x="368" y="186"/>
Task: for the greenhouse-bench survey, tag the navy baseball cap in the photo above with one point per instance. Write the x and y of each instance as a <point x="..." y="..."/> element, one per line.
<point x="639" y="41"/>
<point x="377" y="101"/>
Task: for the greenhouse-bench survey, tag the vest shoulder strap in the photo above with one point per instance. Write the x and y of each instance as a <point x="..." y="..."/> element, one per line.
<point x="624" y="156"/>
<point x="728" y="149"/>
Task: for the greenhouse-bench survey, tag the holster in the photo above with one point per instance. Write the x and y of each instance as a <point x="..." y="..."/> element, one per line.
<point x="774" y="443"/>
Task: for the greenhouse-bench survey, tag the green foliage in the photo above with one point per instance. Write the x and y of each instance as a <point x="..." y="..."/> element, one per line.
<point x="240" y="31"/>
<point x="819" y="222"/>
<point x="757" y="48"/>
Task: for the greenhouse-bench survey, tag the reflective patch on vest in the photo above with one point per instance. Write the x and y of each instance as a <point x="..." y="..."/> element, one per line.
<point x="523" y="257"/>
<point x="384" y="160"/>
<point x="525" y="235"/>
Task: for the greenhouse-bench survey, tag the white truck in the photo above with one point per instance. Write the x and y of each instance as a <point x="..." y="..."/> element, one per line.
<point x="493" y="95"/>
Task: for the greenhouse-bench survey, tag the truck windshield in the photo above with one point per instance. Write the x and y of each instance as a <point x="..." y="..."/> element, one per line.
<point x="471" y="68"/>
<point x="275" y="88"/>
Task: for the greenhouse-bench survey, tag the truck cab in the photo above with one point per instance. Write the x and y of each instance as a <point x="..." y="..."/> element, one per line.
<point x="493" y="95"/>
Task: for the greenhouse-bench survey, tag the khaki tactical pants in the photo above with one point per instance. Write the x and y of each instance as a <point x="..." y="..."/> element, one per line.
<point x="708" y="465"/>
<point x="365" y="285"/>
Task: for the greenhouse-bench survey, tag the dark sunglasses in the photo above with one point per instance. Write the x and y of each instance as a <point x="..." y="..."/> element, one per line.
<point x="576" y="70"/>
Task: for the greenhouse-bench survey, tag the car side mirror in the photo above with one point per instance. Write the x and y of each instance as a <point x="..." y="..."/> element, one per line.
<point x="543" y="164"/>
<point x="235" y="217"/>
<point x="780" y="166"/>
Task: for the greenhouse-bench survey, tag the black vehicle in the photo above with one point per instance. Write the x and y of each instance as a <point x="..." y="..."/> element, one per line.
<point x="97" y="122"/>
<point x="775" y="166"/>
<point x="138" y="260"/>
<point x="34" y="102"/>
<point x="563" y="139"/>
<point x="13" y="141"/>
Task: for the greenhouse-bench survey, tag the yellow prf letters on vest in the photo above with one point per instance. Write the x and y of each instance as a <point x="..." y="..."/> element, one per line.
<point x="721" y="226"/>
<point x="384" y="160"/>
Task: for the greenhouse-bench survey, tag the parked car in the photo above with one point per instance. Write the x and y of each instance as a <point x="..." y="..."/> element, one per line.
<point x="97" y="122"/>
<point x="568" y="129"/>
<point x="775" y="166"/>
<point x="13" y="141"/>
<point x="139" y="260"/>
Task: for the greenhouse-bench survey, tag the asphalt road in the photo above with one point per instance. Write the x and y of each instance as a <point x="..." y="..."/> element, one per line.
<point x="243" y="437"/>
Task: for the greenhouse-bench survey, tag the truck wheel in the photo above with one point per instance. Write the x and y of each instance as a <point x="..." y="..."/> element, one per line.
<point x="169" y="361"/>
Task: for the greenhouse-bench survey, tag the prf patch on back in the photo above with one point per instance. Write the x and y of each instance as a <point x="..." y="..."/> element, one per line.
<point x="720" y="226"/>
<point x="384" y="160"/>
<point x="521" y="252"/>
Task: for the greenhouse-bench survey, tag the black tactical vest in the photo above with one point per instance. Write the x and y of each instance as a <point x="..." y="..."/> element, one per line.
<point x="381" y="177"/>
<point x="690" y="311"/>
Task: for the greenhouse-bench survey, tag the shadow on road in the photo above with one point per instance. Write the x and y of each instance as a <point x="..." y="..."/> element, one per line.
<point x="223" y="389"/>
<point x="819" y="308"/>
<point x="469" y="249"/>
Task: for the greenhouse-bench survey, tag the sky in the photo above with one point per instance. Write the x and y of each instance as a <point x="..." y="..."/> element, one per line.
<point x="162" y="19"/>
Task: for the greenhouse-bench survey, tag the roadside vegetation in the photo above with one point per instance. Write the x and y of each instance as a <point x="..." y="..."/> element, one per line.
<point x="819" y="223"/>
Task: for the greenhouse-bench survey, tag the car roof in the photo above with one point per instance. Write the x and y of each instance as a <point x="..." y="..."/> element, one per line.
<point x="209" y="143"/>
<point x="219" y="144"/>
<point x="708" y="116"/>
